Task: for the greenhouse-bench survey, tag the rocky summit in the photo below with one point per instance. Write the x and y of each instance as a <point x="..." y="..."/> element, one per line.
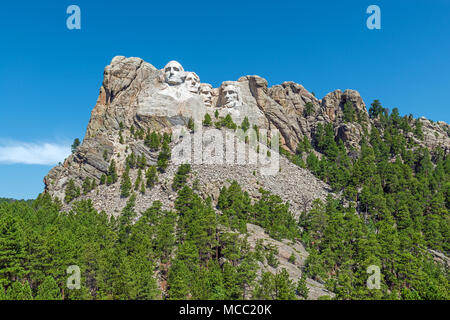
<point x="140" y="106"/>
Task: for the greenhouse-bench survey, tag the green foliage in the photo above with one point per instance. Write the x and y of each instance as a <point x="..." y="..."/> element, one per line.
<point x="390" y="205"/>
<point x="88" y="185"/>
<point x="269" y="212"/>
<point x="309" y="109"/>
<point x="226" y="122"/>
<point x="152" y="177"/>
<point x="72" y="191"/>
<point x="153" y="141"/>
<point x="292" y="258"/>
<point x="139" y="134"/>
<point x="275" y="287"/>
<point x="48" y="290"/>
<point x="207" y="122"/>
<point x="195" y="271"/>
<point x="112" y="177"/>
<point x="142" y="188"/>
<point x="19" y="291"/>
<point x="125" y="186"/>
<point x="131" y="160"/>
<point x="376" y="109"/>
<point x="142" y="162"/>
<point x="181" y="176"/>
<point x="418" y="130"/>
<point x="303" y="146"/>
<point x="302" y="289"/>
<point x="75" y="145"/>
<point x="2" y="293"/>
<point x="116" y="257"/>
<point x="324" y="140"/>
<point x="271" y="256"/>
<point x="138" y="181"/>
<point x="163" y="157"/>
<point x="245" y="125"/>
<point x="191" y="124"/>
<point x="396" y="206"/>
<point x="349" y="112"/>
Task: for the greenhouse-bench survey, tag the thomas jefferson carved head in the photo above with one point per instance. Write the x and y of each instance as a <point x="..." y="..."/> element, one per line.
<point x="206" y="93"/>
<point x="192" y="82"/>
<point x="174" y="73"/>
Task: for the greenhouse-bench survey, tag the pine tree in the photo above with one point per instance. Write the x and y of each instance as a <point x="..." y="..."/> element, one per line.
<point x="142" y="162"/>
<point x="245" y="125"/>
<point x="418" y="130"/>
<point x="191" y="124"/>
<point x="93" y="184"/>
<point x="265" y="289"/>
<point x="228" y="122"/>
<point x="87" y="185"/>
<point x="163" y="157"/>
<point x="2" y="293"/>
<point x="75" y="145"/>
<point x="178" y="281"/>
<point x="284" y="287"/>
<point x="181" y="176"/>
<point x="12" y="247"/>
<point x="126" y="218"/>
<point x="125" y="186"/>
<point x="112" y="173"/>
<point x="19" y="291"/>
<point x="137" y="183"/>
<point x="207" y="122"/>
<point x="131" y="160"/>
<point x="153" y="141"/>
<point x="142" y="189"/>
<point x="48" y="290"/>
<point x="349" y="112"/>
<point x="376" y="109"/>
<point x="152" y="177"/>
<point x="309" y="109"/>
<point x="72" y="191"/>
<point x="302" y="289"/>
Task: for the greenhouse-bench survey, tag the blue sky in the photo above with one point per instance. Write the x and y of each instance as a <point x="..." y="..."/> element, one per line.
<point x="50" y="76"/>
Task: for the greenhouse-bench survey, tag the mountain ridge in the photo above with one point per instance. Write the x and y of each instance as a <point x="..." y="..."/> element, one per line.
<point x="288" y="107"/>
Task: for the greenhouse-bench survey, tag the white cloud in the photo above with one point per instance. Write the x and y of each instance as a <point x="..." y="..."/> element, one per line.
<point x="33" y="153"/>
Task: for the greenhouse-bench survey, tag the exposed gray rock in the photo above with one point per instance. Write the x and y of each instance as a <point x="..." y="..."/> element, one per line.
<point x="436" y="135"/>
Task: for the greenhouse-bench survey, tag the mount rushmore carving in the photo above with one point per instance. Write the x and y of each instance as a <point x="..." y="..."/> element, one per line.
<point x="178" y="93"/>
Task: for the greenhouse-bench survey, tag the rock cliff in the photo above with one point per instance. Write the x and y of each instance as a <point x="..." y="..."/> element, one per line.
<point x="136" y="94"/>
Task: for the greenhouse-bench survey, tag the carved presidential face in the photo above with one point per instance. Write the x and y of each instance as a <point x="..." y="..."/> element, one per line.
<point x="230" y="96"/>
<point x="174" y="73"/>
<point x="192" y="82"/>
<point x="206" y="93"/>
